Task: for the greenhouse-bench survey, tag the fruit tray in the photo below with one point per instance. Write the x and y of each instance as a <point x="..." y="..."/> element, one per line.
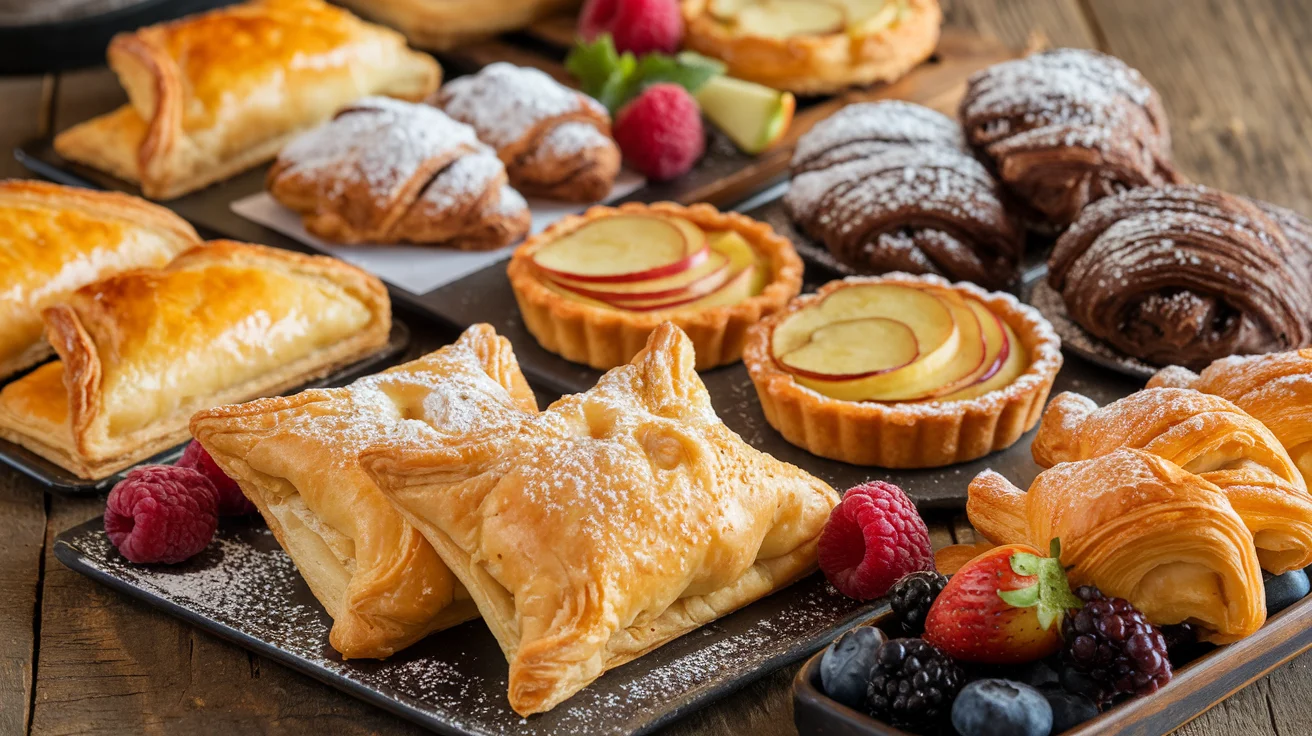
<point x="245" y="589"/>
<point x="59" y="480"/>
<point x="1198" y="685"/>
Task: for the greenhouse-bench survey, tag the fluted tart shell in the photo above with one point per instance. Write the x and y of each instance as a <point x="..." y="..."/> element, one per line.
<point x="926" y="434"/>
<point x="604" y="338"/>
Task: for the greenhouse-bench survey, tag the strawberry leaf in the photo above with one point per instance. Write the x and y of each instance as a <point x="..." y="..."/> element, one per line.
<point x="1051" y="594"/>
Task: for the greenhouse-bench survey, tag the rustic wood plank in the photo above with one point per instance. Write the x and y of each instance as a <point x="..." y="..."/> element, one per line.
<point x="22" y="535"/>
<point x="84" y="94"/>
<point x="1025" y="23"/>
<point x="26" y="116"/>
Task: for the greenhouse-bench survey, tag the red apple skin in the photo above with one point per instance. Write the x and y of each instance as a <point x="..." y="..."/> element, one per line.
<point x="816" y="376"/>
<point x="701" y="287"/>
<point x="1002" y="354"/>
<point x="695" y="253"/>
<point x="740" y="273"/>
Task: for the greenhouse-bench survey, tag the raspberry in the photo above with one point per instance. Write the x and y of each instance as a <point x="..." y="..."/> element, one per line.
<point x="161" y="513"/>
<point x="660" y="132"/>
<point x="640" y="26"/>
<point x="232" y="502"/>
<point x="873" y="537"/>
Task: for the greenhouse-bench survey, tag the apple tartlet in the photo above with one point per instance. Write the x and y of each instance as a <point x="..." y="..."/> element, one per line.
<point x="902" y="371"/>
<point x="592" y="287"/>
<point x="814" y="46"/>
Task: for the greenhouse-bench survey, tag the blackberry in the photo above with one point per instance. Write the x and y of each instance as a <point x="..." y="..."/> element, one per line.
<point x="911" y="597"/>
<point x="912" y="683"/>
<point x="1115" y="647"/>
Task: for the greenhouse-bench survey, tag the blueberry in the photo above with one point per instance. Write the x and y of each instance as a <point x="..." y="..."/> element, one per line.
<point x="1001" y="708"/>
<point x="1068" y="709"/>
<point x="1283" y="591"/>
<point x="1074" y="681"/>
<point x="845" y="668"/>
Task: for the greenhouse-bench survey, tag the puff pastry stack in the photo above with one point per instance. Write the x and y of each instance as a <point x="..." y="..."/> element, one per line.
<point x="142" y="351"/>
<point x="214" y="94"/>
<point x="296" y="458"/>
<point x="55" y="239"/>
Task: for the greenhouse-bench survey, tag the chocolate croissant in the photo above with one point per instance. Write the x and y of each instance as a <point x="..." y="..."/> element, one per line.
<point x="1067" y="127"/>
<point x="1203" y="434"/>
<point x="1141" y="528"/>
<point x="889" y="186"/>
<point x="1184" y="275"/>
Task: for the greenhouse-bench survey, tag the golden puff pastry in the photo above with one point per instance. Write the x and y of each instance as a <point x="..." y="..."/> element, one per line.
<point x="611" y="523"/>
<point x="1141" y="528"/>
<point x="1276" y="389"/>
<point x="1203" y="434"/>
<point x="142" y="351"/>
<point x="55" y="239"/>
<point x="296" y="459"/>
<point x="215" y="94"/>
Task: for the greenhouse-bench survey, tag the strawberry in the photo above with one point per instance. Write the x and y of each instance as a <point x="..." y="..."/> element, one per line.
<point x="1003" y="607"/>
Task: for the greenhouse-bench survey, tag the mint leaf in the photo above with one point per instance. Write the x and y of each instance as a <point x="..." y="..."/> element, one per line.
<point x="613" y="78"/>
<point x="597" y="66"/>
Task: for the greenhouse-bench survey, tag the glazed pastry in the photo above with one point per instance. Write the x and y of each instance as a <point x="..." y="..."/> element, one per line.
<point x="1064" y="128"/>
<point x="387" y="171"/>
<point x="1140" y="528"/>
<point x="814" y="48"/>
<point x="1183" y="275"/>
<point x="440" y="25"/>
<point x="610" y="524"/>
<point x="1203" y="434"/>
<point x="592" y="287"/>
<point x="889" y="186"/>
<point x="142" y="351"/>
<point x="554" y="141"/>
<point x="218" y="93"/>
<point x="55" y="239"/>
<point x="902" y="371"/>
<point x="1276" y="389"/>
<point x="296" y="459"/>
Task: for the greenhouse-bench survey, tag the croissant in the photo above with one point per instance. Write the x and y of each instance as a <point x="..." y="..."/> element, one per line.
<point x="387" y="171"/>
<point x="1185" y="275"/>
<point x="554" y="141"/>
<point x="889" y="186"/>
<point x="295" y="457"/>
<point x="1138" y="527"/>
<point x="1203" y="434"/>
<point x="1067" y="127"/>
<point x="1276" y="389"/>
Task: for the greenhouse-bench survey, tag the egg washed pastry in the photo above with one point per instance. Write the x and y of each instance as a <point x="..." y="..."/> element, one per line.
<point x="554" y="141"/>
<point x="592" y="287"/>
<point x="440" y="25"/>
<point x="142" y="351"/>
<point x="813" y="47"/>
<point x="1276" y="389"/>
<point x="1205" y="435"/>
<point x="388" y="171"/>
<point x="608" y="525"/>
<point x="1066" y="127"/>
<point x="218" y="93"/>
<point x="296" y="458"/>
<point x="1187" y="275"/>
<point x="903" y="371"/>
<point x="55" y="239"/>
<point x="891" y="186"/>
<point x="1138" y="527"/>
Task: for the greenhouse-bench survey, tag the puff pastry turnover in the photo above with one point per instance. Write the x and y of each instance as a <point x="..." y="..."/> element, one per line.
<point x="214" y="94"/>
<point x="608" y="525"/>
<point x="296" y="458"/>
<point x="55" y="239"/>
<point x="142" y="351"/>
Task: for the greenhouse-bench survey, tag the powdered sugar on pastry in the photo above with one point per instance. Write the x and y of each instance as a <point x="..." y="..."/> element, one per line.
<point x="504" y="101"/>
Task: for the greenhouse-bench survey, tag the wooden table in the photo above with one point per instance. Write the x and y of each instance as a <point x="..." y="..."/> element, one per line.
<point x="77" y="658"/>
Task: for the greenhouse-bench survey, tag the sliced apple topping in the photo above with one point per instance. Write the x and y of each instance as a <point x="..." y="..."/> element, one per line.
<point x="867" y="345"/>
<point x="785" y="18"/>
<point x="727" y="10"/>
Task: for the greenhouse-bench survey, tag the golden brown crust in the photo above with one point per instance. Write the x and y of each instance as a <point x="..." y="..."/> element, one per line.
<point x="818" y="64"/>
<point x="439" y="26"/>
<point x="605" y="338"/>
<point x="907" y="435"/>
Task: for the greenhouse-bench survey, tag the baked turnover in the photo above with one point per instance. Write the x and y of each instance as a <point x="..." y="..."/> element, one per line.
<point x="592" y="287"/>
<point x="142" y="351"/>
<point x="814" y="46"/>
<point x="296" y="458"/>
<point x="55" y="239"/>
<point x="215" y="94"/>
<point x="903" y="371"/>
<point x="608" y="525"/>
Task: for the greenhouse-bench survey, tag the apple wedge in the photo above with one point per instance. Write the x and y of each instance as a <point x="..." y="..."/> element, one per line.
<point x="870" y="345"/>
<point x="786" y="18"/>
<point x="624" y="249"/>
<point x="754" y="116"/>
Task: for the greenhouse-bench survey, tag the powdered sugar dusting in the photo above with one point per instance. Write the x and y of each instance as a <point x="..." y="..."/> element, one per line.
<point x="503" y="101"/>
